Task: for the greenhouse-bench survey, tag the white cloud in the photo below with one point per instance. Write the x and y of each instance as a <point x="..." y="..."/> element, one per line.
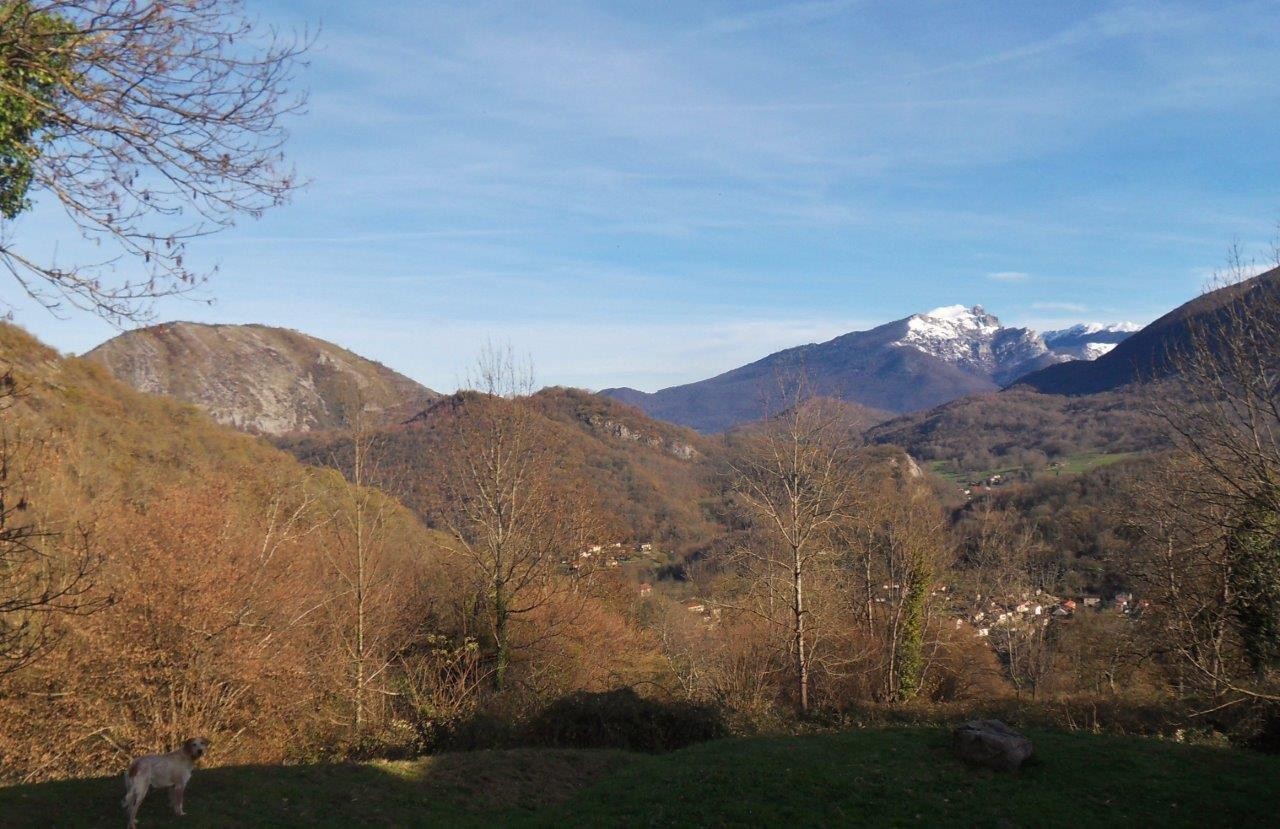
<point x="1009" y="276"/>
<point x="1074" y="307"/>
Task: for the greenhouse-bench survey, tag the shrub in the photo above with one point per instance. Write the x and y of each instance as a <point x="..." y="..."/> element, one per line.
<point x="479" y="731"/>
<point x="624" y="719"/>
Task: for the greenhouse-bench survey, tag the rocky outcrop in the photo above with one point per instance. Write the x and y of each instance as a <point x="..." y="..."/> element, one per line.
<point x="261" y="379"/>
<point x="622" y="431"/>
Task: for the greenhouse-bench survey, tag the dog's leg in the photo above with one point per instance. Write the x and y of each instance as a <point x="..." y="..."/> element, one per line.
<point x="178" y="791"/>
<point x="132" y="801"/>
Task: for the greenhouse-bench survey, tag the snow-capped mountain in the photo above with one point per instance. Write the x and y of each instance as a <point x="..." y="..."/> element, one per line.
<point x="974" y="340"/>
<point x="913" y="363"/>
<point x="1090" y="340"/>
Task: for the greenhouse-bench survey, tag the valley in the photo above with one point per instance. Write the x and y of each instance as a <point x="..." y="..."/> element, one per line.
<point x="774" y="413"/>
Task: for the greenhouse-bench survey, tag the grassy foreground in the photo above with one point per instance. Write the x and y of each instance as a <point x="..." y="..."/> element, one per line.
<point x="902" y="777"/>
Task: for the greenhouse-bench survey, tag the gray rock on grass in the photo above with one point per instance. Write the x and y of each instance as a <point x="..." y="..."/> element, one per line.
<point x="991" y="743"/>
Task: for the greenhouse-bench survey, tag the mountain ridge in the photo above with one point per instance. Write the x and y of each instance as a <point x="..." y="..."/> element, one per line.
<point x="914" y="363"/>
<point x="1148" y="354"/>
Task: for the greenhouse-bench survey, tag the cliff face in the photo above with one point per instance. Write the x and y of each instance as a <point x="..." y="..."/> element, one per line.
<point x="261" y="379"/>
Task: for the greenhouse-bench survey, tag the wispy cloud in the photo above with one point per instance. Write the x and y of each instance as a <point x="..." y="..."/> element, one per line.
<point x="782" y="14"/>
<point x="1075" y="307"/>
<point x="743" y="176"/>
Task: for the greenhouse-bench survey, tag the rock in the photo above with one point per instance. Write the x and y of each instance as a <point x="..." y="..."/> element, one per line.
<point x="991" y="743"/>
<point x="262" y="380"/>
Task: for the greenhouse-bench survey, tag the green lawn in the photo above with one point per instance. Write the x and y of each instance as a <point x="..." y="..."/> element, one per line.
<point x="1084" y="462"/>
<point x="1069" y="465"/>
<point x="899" y="777"/>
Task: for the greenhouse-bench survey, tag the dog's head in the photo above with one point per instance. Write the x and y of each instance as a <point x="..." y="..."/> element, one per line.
<point x="196" y="747"/>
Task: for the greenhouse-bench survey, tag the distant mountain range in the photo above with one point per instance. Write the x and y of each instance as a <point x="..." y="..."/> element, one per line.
<point x="274" y="381"/>
<point x="261" y="379"/>
<point x="907" y="365"/>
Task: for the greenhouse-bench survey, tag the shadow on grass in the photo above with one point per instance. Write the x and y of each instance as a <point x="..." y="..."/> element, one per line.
<point x="871" y="777"/>
<point x="466" y="789"/>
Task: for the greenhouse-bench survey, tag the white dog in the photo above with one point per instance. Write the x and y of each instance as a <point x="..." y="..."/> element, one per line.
<point x="161" y="771"/>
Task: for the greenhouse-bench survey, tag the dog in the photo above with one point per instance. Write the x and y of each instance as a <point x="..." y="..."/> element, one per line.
<point x="161" y="771"/>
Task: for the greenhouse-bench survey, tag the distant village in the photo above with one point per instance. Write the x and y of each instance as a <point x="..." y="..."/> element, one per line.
<point x="1038" y="608"/>
<point x="984" y="614"/>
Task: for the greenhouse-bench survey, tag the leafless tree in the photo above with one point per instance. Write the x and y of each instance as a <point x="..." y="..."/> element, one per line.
<point x="514" y="515"/>
<point x="1212" y="519"/>
<point x="156" y="122"/>
<point x="1010" y="565"/>
<point x="358" y="561"/>
<point x="793" y="479"/>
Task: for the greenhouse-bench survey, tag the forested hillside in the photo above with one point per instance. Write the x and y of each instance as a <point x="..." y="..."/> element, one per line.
<point x="651" y="479"/>
<point x="163" y="573"/>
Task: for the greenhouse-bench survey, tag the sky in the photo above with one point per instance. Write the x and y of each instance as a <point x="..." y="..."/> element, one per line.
<point x="646" y="194"/>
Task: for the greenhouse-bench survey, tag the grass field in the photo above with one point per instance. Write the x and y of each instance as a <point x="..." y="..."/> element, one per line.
<point x="899" y="777"/>
<point x="1070" y="465"/>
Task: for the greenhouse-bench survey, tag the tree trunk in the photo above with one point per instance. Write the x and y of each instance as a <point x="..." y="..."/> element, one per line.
<point x="802" y="658"/>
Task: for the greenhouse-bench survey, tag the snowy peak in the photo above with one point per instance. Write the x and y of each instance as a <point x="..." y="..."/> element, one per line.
<point x="952" y="321"/>
<point x="913" y="363"/>
<point x="972" y="339"/>
<point x="1090" y="340"/>
<point x="1092" y="330"/>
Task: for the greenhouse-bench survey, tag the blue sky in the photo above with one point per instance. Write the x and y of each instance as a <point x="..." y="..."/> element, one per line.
<point x="650" y="193"/>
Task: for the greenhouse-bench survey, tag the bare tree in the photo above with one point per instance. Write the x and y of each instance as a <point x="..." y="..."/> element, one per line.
<point x="1010" y="565"/>
<point x="515" y="517"/>
<point x="793" y="478"/>
<point x="1212" y="520"/>
<point x="358" y="562"/>
<point x="151" y="123"/>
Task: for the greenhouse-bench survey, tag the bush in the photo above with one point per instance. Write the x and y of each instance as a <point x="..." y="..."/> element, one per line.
<point x="624" y="719"/>
<point x="1266" y="737"/>
<point x="479" y="731"/>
